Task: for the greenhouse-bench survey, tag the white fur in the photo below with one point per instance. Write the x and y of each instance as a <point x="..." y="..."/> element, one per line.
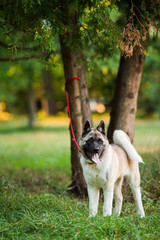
<point x="108" y="200"/>
<point x="96" y="176"/>
<point x="119" y="138"/>
<point x="137" y="196"/>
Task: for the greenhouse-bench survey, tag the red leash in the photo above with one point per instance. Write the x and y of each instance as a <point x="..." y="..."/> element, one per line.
<point x="69" y="113"/>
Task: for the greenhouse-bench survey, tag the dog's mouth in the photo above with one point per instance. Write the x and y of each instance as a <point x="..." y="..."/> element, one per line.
<point x="94" y="157"/>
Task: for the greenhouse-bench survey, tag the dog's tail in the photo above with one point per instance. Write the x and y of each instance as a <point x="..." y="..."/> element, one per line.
<point x="122" y="139"/>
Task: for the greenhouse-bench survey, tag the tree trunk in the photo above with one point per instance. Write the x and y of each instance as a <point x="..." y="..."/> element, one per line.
<point x="78" y="185"/>
<point x="125" y="99"/>
<point x="49" y="92"/>
<point x="31" y="105"/>
<point x="86" y="111"/>
<point x="44" y="104"/>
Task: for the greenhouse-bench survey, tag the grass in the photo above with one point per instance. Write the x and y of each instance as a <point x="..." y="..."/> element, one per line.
<point x="34" y="175"/>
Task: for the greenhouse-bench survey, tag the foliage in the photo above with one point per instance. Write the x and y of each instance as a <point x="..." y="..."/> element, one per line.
<point x="142" y="18"/>
<point x="15" y="78"/>
<point x="31" y="29"/>
<point x="101" y="77"/>
<point x="137" y="28"/>
<point x="50" y="19"/>
<point x="148" y="101"/>
<point x="98" y="29"/>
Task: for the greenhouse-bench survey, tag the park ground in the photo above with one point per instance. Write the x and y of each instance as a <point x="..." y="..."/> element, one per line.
<point x="34" y="175"/>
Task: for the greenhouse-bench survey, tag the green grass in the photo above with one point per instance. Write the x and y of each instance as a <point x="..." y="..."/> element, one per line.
<point x="34" y="175"/>
<point x="49" y="216"/>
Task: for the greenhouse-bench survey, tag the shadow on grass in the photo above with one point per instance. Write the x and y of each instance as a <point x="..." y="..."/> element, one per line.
<point x="35" y="181"/>
<point x="26" y="129"/>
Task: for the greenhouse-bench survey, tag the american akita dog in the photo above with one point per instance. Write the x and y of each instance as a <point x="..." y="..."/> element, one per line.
<point x="105" y="165"/>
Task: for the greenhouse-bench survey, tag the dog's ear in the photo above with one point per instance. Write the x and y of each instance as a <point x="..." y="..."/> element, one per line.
<point x="101" y="127"/>
<point x="87" y="128"/>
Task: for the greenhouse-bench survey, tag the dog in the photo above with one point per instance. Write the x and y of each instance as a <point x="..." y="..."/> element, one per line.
<point x="104" y="166"/>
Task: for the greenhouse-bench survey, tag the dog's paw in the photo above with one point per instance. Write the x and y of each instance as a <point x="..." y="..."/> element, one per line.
<point x="107" y="213"/>
<point x="141" y="214"/>
<point x="92" y="214"/>
<point x="116" y="212"/>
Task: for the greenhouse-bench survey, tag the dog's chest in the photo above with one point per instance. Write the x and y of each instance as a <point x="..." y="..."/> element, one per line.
<point x="95" y="176"/>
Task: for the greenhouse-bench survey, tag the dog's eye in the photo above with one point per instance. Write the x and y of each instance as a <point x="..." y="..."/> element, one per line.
<point x="99" y="140"/>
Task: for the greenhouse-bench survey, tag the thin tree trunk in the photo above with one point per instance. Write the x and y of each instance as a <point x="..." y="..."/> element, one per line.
<point x="44" y="104"/>
<point x="49" y="92"/>
<point x="31" y="105"/>
<point x="78" y="185"/>
<point x="125" y="99"/>
<point x="86" y="111"/>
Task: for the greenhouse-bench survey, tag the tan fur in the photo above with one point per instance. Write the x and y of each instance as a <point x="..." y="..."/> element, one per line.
<point x="125" y="166"/>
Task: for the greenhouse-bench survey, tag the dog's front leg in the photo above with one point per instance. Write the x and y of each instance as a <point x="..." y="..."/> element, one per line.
<point x="93" y="194"/>
<point x="108" y="200"/>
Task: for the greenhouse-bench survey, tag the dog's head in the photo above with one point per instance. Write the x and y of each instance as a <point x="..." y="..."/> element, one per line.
<point x="93" y="142"/>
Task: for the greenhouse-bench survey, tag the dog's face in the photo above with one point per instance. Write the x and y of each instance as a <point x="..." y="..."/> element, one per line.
<point x="93" y="142"/>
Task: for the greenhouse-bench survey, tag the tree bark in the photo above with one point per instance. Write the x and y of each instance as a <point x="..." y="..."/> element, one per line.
<point x="31" y="105"/>
<point x="124" y="104"/>
<point x="69" y="58"/>
<point x="77" y="92"/>
<point x="86" y="111"/>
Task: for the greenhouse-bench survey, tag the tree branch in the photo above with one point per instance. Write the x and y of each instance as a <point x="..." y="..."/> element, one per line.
<point x="4" y="45"/>
<point x="19" y="58"/>
<point x="45" y="54"/>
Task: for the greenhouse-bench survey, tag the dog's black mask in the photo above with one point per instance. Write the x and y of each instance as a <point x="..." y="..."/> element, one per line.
<point x="94" y="146"/>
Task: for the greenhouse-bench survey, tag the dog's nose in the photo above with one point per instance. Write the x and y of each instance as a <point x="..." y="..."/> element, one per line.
<point x="96" y="150"/>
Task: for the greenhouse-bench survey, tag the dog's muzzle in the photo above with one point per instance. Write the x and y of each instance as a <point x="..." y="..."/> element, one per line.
<point x="94" y="155"/>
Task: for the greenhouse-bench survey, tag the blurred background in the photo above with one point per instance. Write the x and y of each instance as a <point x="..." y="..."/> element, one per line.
<point x="34" y="91"/>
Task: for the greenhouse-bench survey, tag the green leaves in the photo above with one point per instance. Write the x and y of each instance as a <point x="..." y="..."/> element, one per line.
<point x="98" y="30"/>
